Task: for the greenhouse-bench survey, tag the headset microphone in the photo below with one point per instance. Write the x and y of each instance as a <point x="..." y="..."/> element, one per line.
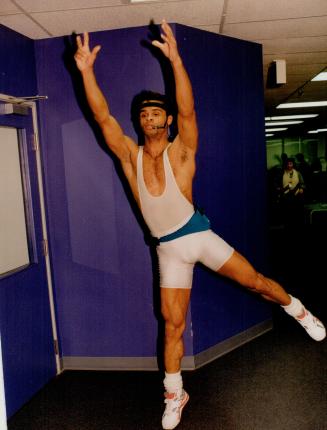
<point x="158" y="127"/>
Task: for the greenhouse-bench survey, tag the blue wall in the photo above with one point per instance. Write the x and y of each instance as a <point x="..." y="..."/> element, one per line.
<point x="18" y="73"/>
<point x="107" y="303"/>
<point x="106" y="297"/>
<point x="25" y="325"/>
<point x="230" y="183"/>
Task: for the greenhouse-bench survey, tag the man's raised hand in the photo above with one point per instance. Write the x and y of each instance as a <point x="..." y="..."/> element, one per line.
<point x="169" y="47"/>
<point x="84" y="57"/>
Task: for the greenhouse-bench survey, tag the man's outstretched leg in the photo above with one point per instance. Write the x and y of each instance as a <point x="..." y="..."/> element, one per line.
<point x="174" y="305"/>
<point x="241" y="271"/>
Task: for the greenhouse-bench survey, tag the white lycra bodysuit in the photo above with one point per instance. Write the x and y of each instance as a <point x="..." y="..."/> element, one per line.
<point x="168" y="212"/>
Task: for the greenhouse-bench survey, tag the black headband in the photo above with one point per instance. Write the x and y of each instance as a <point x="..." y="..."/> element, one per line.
<point x="153" y="103"/>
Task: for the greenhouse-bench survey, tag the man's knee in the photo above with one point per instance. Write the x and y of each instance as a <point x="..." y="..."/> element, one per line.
<point x="174" y="327"/>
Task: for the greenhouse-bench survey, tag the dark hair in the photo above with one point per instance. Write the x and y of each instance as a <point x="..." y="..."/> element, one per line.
<point x="145" y="96"/>
<point x="140" y="100"/>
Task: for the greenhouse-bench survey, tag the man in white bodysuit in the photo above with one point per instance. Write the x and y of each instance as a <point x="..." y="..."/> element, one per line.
<point x="160" y="175"/>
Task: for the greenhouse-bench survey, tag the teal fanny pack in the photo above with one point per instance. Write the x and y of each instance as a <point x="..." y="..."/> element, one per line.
<point x="198" y="222"/>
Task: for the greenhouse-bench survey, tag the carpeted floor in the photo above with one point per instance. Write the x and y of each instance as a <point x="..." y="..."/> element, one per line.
<point x="276" y="382"/>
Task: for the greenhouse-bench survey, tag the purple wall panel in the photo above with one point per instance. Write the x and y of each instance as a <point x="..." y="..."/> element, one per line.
<point x="18" y="72"/>
<point x="25" y="324"/>
<point x="230" y="183"/>
<point x="92" y="223"/>
<point x="105" y="294"/>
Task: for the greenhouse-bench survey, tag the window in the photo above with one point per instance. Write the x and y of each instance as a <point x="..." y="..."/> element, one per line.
<point x="15" y="247"/>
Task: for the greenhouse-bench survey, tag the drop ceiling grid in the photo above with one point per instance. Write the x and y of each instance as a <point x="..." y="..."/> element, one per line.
<point x="64" y="22"/>
<point x="267" y="10"/>
<point x="305" y="27"/>
<point x="62" y="5"/>
<point x="24" y="25"/>
<point x="295" y="45"/>
<point x="7" y="7"/>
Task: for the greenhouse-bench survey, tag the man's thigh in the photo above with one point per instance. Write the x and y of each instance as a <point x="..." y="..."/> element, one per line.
<point x="238" y="269"/>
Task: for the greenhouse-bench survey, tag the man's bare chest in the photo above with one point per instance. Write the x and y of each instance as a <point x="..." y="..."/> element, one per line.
<point x="154" y="174"/>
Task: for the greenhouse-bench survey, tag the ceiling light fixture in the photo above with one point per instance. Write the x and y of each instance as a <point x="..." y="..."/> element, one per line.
<point x="276" y="129"/>
<point x="302" y="105"/>
<point x="320" y="77"/>
<point x="281" y="117"/>
<point x="273" y="123"/>
<point x="269" y="134"/>
<point x="319" y="130"/>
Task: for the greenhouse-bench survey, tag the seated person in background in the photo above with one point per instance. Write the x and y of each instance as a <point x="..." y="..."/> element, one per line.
<point x="291" y="195"/>
<point x="293" y="183"/>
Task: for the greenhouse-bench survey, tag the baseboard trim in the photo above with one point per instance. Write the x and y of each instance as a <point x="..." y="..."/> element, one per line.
<point x="232" y="343"/>
<point x="151" y="363"/>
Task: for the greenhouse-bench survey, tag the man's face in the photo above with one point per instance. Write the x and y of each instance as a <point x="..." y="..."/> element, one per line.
<point x="152" y="119"/>
<point x="289" y="165"/>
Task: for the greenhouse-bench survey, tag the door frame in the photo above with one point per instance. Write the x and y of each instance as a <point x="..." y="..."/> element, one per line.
<point x="3" y="413"/>
<point x="30" y="103"/>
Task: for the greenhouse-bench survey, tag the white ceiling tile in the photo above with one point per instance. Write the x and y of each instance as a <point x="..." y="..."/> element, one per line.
<point x="24" y="25"/>
<point x="263" y="10"/>
<point x="306" y="58"/>
<point x="297" y="44"/>
<point x="213" y="28"/>
<point x="7" y="7"/>
<point x="51" y="5"/>
<point x="61" y="5"/>
<point x="308" y="70"/>
<point x="278" y="29"/>
<point x="189" y="12"/>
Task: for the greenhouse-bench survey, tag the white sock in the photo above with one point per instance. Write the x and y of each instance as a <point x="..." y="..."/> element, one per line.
<point x="295" y="308"/>
<point x="173" y="382"/>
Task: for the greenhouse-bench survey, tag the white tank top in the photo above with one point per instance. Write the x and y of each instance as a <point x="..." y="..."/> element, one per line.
<point x="168" y="212"/>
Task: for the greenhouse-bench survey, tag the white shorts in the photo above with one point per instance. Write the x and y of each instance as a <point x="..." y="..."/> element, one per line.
<point x="178" y="257"/>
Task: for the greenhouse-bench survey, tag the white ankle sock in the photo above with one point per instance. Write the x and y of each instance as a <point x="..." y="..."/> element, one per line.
<point x="295" y="308"/>
<point x="173" y="382"/>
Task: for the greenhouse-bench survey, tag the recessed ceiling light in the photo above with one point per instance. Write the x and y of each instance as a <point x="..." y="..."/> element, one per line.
<point x="276" y="129"/>
<point x="320" y="77"/>
<point x="303" y="116"/>
<point x="319" y="130"/>
<point x="302" y="104"/>
<point x="273" y="123"/>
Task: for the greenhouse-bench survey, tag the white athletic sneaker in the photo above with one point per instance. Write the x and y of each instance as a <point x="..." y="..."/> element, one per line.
<point x="313" y="326"/>
<point x="173" y="412"/>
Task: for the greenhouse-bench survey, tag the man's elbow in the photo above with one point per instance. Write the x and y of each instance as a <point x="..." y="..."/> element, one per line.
<point x="188" y="114"/>
<point x="103" y="119"/>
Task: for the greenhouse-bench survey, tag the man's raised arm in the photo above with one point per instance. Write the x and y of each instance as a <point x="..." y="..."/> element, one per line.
<point x="113" y="134"/>
<point x="187" y="125"/>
